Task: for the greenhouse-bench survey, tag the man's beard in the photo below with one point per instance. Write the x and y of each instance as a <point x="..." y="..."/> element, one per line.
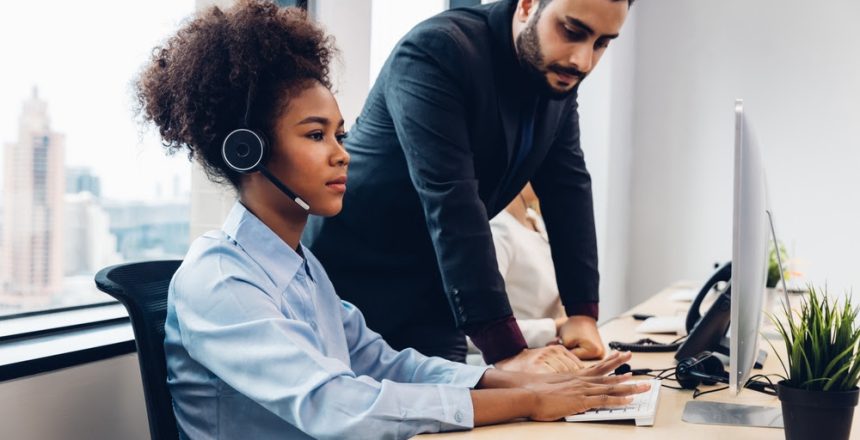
<point x="531" y="59"/>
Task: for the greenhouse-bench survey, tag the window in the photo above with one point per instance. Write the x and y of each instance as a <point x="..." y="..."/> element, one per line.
<point x="83" y="185"/>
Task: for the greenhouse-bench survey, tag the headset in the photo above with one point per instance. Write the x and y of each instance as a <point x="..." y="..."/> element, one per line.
<point x="246" y="151"/>
<point x="704" y="368"/>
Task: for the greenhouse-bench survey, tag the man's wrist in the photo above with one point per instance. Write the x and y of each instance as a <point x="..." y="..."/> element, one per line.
<point x="498" y="340"/>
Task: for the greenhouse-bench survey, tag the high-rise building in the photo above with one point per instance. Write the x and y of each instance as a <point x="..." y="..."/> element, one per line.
<point x="82" y="179"/>
<point x="34" y="182"/>
<point x="89" y="244"/>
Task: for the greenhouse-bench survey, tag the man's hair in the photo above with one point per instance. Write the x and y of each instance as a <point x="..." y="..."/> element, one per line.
<point x="249" y="58"/>
<point x="542" y="3"/>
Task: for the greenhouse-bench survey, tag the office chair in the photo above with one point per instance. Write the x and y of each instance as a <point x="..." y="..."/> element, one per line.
<point x="142" y="289"/>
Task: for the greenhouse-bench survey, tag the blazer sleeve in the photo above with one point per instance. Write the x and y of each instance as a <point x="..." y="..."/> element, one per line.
<point x="425" y="92"/>
<point x="563" y="185"/>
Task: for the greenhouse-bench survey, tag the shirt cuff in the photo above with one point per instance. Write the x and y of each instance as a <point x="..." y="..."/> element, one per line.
<point x="584" y="308"/>
<point x="457" y="409"/>
<point x="498" y="340"/>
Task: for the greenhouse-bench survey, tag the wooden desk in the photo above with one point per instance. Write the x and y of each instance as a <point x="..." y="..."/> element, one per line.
<point x="668" y="424"/>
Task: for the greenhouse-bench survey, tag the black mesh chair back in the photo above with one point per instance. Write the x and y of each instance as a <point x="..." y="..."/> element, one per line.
<point x="142" y="289"/>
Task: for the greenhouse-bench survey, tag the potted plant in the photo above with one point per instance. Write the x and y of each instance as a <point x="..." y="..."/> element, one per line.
<point x="822" y="368"/>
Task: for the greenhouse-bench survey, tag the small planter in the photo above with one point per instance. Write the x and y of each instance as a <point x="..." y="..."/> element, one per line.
<point x="816" y="415"/>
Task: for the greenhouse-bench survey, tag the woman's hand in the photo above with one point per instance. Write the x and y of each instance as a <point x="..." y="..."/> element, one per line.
<point x="553" y="401"/>
<point x="504" y="396"/>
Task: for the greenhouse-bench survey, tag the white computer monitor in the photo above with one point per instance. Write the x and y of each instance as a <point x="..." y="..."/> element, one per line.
<point x="749" y="251"/>
<point x="752" y="228"/>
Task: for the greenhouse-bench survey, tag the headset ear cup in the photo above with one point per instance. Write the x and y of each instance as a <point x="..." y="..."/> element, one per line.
<point x="683" y="376"/>
<point x="712" y="366"/>
<point x="244" y="150"/>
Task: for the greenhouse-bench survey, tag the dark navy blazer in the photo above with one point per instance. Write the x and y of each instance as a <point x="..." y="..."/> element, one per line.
<point x="429" y="152"/>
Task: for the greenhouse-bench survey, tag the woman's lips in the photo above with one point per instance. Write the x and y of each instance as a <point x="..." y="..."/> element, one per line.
<point x="338" y="184"/>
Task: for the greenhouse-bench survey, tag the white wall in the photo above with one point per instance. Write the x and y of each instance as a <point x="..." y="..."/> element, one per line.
<point x="350" y="27"/>
<point x="390" y="21"/>
<point x="606" y="120"/>
<point x="98" y="400"/>
<point x="797" y="65"/>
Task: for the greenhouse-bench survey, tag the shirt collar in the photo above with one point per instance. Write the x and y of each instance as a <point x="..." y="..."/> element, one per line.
<point x="275" y="257"/>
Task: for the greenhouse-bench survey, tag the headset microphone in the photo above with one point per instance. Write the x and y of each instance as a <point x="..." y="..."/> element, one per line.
<point x="245" y="150"/>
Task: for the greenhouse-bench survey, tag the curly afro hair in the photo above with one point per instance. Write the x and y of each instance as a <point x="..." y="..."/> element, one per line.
<point x="222" y="64"/>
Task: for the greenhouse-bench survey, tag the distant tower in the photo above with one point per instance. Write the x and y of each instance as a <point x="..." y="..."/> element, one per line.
<point x="33" y="189"/>
<point x="82" y="179"/>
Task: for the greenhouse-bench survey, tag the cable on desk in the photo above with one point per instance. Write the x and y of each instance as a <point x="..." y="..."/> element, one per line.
<point x="697" y="392"/>
<point x="647" y="345"/>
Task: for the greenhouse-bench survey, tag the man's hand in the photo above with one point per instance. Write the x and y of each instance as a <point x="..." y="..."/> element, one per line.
<point x="554" y="359"/>
<point x="496" y="378"/>
<point x="580" y="335"/>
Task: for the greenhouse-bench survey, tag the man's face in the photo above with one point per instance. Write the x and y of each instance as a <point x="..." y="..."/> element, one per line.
<point x="561" y="43"/>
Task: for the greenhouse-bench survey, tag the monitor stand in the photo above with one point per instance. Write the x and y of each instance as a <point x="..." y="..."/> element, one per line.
<point x="718" y="413"/>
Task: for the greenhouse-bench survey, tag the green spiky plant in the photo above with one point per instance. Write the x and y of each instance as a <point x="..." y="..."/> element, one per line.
<point x="822" y="344"/>
<point x="773" y="264"/>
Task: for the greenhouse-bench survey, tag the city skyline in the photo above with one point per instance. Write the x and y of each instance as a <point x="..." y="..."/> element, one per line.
<point x="57" y="230"/>
<point x="86" y="76"/>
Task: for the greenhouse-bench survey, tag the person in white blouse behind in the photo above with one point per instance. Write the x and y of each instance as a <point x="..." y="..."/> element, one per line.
<point x="525" y="262"/>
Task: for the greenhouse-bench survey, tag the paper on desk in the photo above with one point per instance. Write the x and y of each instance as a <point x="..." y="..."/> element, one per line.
<point x="683" y="295"/>
<point x="663" y="324"/>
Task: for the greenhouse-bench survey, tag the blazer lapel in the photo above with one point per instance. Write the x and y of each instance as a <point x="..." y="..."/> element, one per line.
<point x="546" y="123"/>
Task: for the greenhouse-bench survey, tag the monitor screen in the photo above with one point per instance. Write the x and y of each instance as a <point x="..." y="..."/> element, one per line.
<point x="749" y="251"/>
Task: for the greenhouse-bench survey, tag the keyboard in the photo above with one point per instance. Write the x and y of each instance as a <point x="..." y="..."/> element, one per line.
<point x="643" y="408"/>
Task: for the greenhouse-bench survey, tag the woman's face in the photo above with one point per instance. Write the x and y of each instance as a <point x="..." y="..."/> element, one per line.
<point x="307" y="152"/>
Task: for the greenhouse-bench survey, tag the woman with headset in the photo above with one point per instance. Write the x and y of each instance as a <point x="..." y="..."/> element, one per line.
<point x="258" y="344"/>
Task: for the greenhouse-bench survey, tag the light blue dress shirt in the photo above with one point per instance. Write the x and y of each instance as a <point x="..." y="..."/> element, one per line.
<point x="259" y="346"/>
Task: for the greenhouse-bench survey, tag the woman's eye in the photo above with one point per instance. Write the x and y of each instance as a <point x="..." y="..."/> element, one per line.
<point x="340" y="137"/>
<point x="316" y="136"/>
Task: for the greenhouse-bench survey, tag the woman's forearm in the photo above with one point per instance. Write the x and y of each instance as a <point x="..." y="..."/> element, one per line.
<point x="494" y="378"/>
<point x="492" y="406"/>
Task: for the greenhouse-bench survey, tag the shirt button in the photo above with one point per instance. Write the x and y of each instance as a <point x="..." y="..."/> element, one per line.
<point x="314" y="325"/>
<point x="458" y="417"/>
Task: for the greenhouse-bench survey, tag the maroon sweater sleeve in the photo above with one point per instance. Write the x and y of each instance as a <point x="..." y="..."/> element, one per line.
<point x="584" y="308"/>
<point x="498" y="340"/>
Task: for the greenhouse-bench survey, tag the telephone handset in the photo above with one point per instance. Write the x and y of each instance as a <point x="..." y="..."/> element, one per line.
<point x="706" y="333"/>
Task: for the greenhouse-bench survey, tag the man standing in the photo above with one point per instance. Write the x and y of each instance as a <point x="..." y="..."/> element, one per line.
<point x="470" y="105"/>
